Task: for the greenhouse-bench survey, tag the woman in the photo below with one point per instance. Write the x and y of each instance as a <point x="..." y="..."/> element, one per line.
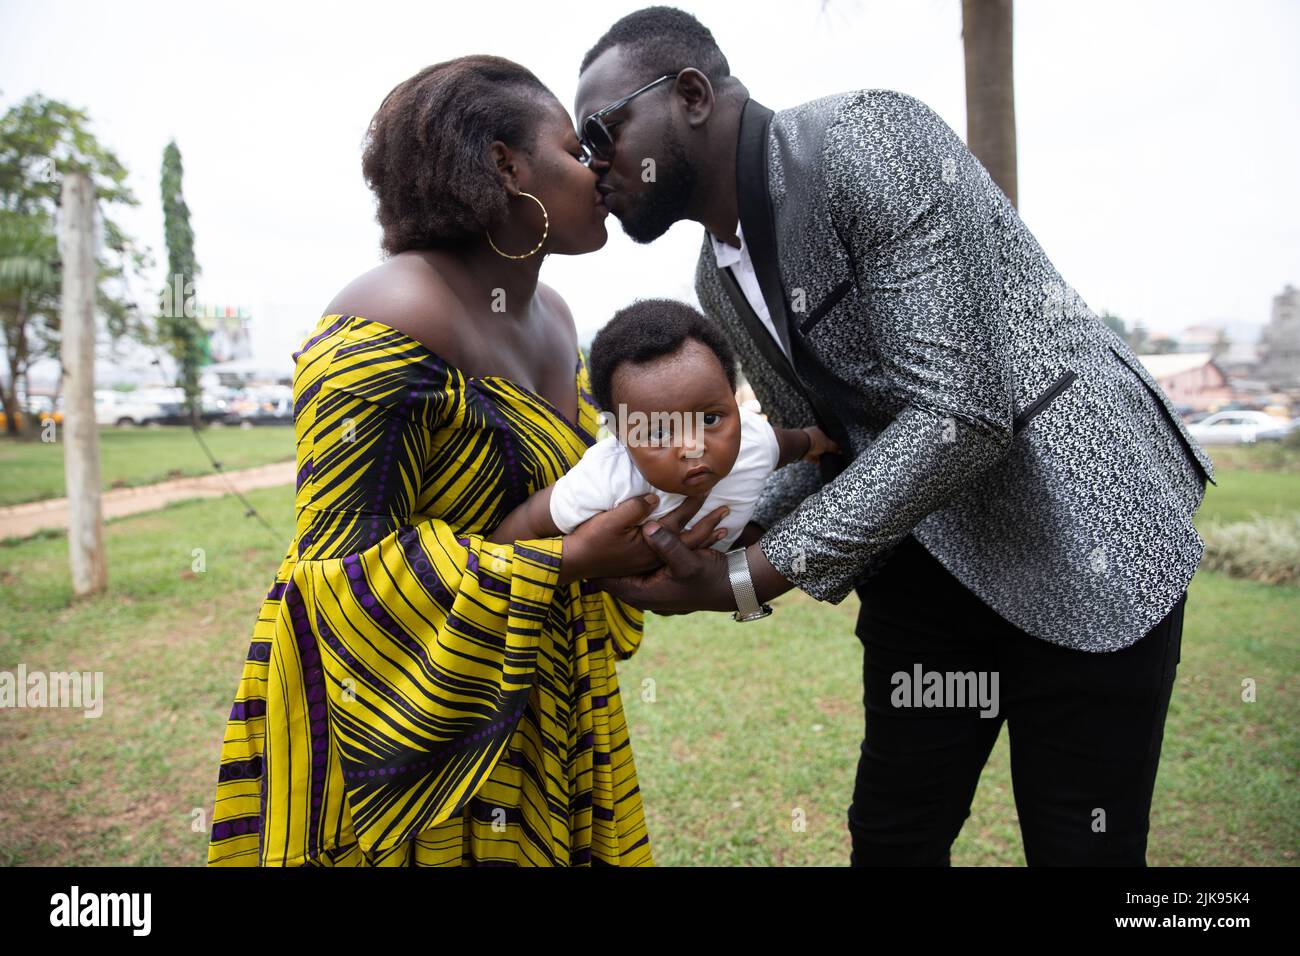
<point x="415" y="694"/>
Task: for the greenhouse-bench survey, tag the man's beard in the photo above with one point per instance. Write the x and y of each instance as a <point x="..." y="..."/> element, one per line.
<point x="649" y="216"/>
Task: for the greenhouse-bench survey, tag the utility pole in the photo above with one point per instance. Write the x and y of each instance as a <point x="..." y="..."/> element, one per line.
<point x="80" y="435"/>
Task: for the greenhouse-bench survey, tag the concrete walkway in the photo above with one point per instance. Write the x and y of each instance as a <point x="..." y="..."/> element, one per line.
<point x="21" y="521"/>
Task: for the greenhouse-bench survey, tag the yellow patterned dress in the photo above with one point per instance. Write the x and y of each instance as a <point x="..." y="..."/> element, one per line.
<point x="413" y="693"/>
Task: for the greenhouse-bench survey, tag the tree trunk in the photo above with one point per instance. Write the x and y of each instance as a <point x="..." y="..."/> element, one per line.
<point x="28" y="428"/>
<point x="17" y="356"/>
<point x="990" y="89"/>
<point x="9" y="393"/>
<point x="9" y="399"/>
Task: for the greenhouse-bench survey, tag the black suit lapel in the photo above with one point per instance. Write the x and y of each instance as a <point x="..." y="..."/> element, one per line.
<point x="755" y="208"/>
<point x="754" y="326"/>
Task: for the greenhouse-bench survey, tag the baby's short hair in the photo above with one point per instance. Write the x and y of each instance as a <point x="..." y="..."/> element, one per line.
<point x="648" y="329"/>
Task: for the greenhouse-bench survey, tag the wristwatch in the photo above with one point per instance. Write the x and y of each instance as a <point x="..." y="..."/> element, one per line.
<point x="742" y="587"/>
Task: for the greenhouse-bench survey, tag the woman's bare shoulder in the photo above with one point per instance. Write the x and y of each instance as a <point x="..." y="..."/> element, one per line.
<point x="405" y="293"/>
<point x="560" y="308"/>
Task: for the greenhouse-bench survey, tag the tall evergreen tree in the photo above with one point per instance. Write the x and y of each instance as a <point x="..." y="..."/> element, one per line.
<point x="178" y="326"/>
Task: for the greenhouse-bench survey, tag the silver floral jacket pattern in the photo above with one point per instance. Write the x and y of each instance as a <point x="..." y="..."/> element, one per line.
<point x="933" y="316"/>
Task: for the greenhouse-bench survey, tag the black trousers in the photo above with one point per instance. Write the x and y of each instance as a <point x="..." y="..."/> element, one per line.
<point x="1085" y="728"/>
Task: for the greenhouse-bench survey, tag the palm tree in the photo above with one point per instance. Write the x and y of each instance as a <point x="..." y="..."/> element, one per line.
<point x="990" y="89"/>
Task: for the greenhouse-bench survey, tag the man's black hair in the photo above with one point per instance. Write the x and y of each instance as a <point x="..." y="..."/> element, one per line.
<point x="649" y="329"/>
<point x="661" y="40"/>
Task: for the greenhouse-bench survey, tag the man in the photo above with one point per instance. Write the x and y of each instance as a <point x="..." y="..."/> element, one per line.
<point x="1016" y="495"/>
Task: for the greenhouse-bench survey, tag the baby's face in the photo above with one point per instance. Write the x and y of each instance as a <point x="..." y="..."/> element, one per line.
<point x="677" y="416"/>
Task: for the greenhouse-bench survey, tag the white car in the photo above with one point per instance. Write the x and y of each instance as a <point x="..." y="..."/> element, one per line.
<point x="1238" y="427"/>
<point x="125" y="409"/>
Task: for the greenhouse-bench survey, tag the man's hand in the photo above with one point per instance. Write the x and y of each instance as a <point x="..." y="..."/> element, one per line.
<point x="690" y="580"/>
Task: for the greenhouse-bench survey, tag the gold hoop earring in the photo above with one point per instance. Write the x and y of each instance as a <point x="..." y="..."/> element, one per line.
<point x="546" y="229"/>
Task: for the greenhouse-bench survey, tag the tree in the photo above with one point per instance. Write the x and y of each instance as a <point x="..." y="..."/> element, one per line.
<point x="29" y="292"/>
<point x="1114" y="323"/>
<point x="40" y="140"/>
<point x="1138" y="339"/>
<point x="178" y="327"/>
<point x="990" y="89"/>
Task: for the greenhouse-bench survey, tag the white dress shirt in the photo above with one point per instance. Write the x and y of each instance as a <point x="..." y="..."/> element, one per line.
<point x="746" y="278"/>
<point x="606" y="476"/>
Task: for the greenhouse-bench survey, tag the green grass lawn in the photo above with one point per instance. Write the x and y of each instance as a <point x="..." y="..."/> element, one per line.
<point x="1259" y="479"/>
<point x="1242" y="494"/>
<point x="746" y="727"/>
<point x="33" y="470"/>
<point x="1258" y="456"/>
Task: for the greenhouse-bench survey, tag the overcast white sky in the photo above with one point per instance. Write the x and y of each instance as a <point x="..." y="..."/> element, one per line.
<point x="1158" y="141"/>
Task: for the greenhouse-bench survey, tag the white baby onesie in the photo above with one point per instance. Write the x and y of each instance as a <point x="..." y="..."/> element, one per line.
<point x="606" y="476"/>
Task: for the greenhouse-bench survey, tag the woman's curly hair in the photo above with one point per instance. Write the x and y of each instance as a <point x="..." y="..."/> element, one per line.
<point x="426" y="152"/>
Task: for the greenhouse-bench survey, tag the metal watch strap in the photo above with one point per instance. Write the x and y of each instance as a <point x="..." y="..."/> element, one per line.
<point x="742" y="588"/>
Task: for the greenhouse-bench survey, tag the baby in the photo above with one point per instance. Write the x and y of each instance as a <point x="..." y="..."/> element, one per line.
<point x="665" y="379"/>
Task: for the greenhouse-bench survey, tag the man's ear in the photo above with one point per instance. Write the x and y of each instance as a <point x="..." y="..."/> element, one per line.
<point x="506" y="162"/>
<point x="695" y="93"/>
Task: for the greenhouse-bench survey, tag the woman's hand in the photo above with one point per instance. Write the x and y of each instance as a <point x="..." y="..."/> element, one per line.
<point x="611" y="544"/>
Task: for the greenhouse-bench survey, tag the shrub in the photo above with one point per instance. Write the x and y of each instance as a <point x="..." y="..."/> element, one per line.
<point x="1265" y="548"/>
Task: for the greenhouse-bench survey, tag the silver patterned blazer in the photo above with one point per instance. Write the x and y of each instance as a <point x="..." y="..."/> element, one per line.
<point x="980" y="404"/>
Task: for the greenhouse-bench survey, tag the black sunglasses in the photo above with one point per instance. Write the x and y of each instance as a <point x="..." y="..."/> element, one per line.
<point x="595" y="137"/>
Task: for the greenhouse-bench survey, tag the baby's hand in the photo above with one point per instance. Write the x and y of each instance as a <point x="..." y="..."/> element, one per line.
<point x="819" y="445"/>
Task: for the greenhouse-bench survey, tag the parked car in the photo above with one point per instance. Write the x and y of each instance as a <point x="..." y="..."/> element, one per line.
<point x="172" y="403"/>
<point x="269" y="406"/>
<point x="127" y="409"/>
<point x="216" y="404"/>
<point x="40" y="407"/>
<point x="212" y="406"/>
<point x="1238" y="427"/>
